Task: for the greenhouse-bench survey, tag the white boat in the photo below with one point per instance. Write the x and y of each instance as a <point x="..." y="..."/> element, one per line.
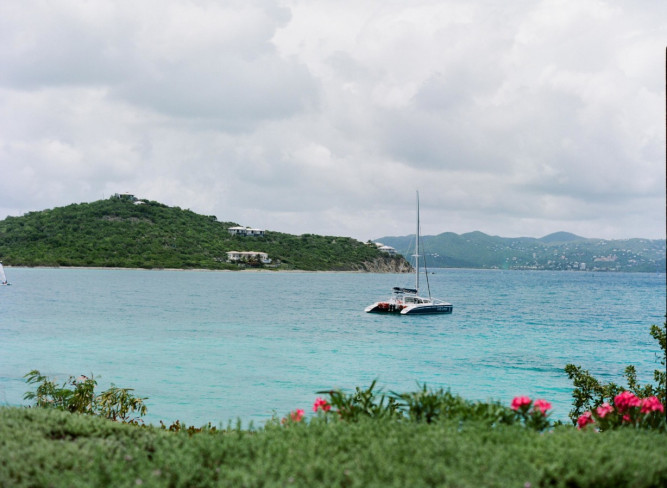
<point x="408" y="301"/>
<point x="3" y="278"/>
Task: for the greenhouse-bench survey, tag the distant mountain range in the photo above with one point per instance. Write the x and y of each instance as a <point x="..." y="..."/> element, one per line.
<point x="558" y="251"/>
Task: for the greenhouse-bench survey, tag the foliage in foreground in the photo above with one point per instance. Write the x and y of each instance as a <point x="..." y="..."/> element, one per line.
<point x="429" y="406"/>
<point x="612" y="405"/>
<point x="77" y="395"/>
<point x="47" y="447"/>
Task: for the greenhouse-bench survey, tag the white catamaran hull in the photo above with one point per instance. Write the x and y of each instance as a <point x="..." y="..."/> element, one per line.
<point x="414" y="309"/>
<point x="427" y="309"/>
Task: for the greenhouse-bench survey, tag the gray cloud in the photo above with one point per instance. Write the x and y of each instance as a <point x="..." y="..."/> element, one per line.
<point x="325" y="116"/>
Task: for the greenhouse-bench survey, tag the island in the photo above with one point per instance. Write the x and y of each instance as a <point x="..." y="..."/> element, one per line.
<point x="128" y="232"/>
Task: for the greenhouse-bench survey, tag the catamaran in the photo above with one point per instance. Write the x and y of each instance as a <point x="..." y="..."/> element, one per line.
<point x="407" y="301"/>
<point x="3" y="278"/>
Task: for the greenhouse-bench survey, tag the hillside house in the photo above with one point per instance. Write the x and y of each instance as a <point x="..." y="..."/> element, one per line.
<point x="388" y="249"/>
<point x="245" y="256"/>
<point x="125" y="196"/>
<point x="246" y="231"/>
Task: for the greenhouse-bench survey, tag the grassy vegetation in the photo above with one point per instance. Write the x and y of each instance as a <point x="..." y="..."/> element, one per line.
<point x="119" y="233"/>
<point x="40" y="447"/>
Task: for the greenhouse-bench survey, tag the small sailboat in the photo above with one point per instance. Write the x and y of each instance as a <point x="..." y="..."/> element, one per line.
<point x="407" y="301"/>
<point x="3" y="277"/>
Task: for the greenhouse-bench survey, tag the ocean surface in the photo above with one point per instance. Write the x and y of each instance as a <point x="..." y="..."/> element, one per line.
<point x="221" y="346"/>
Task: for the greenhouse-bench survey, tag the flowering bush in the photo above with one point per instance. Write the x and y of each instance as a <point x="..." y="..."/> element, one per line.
<point x="652" y="404"/>
<point x="534" y="415"/>
<point x="297" y="415"/>
<point x="426" y="405"/>
<point x="627" y="410"/>
<point x="585" y="419"/>
<point x="321" y="404"/>
<point x="294" y="416"/>
<point x="589" y="394"/>
<point x="361" y="403"/>
<point x="542" y="406"/>
<point x="521" y="402"/>
<point x="603" y="410"/>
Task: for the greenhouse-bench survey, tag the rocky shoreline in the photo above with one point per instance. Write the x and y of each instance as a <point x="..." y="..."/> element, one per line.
<point x="385" y="265"/>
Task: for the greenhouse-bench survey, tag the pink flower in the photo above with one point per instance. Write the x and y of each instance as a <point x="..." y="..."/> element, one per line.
<point x="584" y="419"/>
<point x="520" y="402"/>
<point x="652" y="404"/>
<point x="321" y="403"/>
<point x="626" y="400"/>
<point x="604" y="409"/>
<point x="542" y="406"/>
<point x="297" y="415"/>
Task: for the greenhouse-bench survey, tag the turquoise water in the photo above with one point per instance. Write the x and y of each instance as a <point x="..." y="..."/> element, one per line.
<point x="217" y="346"/>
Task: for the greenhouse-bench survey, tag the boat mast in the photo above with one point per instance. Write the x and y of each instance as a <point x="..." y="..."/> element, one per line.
<point x="417" y="248"/>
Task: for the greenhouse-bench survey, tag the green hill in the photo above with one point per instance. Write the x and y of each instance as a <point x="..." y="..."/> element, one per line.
<point x="558" y="251"/>
<point x="121" y="232"/>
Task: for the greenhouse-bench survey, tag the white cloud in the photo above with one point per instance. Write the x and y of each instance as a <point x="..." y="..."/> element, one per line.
<point x="324" y="116"/>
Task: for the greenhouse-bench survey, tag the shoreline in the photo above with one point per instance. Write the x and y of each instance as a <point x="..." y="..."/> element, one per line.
<point x="202" y="270"/>
<point x="260" y="270"/>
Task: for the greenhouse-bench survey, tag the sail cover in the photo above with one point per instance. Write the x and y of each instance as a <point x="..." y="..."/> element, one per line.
<point x="398" y="289"/>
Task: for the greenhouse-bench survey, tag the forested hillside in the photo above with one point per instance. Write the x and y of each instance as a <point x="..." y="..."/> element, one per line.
<point x="119" y="232"/>
<point x="558" y="251"/>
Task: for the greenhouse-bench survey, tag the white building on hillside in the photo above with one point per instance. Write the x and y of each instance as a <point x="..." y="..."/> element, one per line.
<point x="244" y="256"/>
<point x="388" y="249"/>
<point x="125" y="196"/>
<point x="245" y="231"/>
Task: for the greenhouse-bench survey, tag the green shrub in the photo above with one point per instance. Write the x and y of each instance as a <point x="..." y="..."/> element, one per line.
<point x="46" y="447"/>
<point x="425" y="405"/>
<point x="428" y="406"/>
<point x="77" y="395"/>
<point x="362" y="403"/>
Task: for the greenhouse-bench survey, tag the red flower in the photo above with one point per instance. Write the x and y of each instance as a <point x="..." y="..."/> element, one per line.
<point x="626" y="400"/>
<point x="321" y="403"/>
<point x="604" y="409"/>
<point x="297" y="415"/>
<point x="520" y="402"/>
<point x="542" y="406"/>
<point x="652" y="404"/>
<point x="584" y="419"/>
<point x="294" y="416"/>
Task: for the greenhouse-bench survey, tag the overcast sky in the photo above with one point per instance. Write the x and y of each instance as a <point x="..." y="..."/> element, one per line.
<point x="515" y="118"/>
